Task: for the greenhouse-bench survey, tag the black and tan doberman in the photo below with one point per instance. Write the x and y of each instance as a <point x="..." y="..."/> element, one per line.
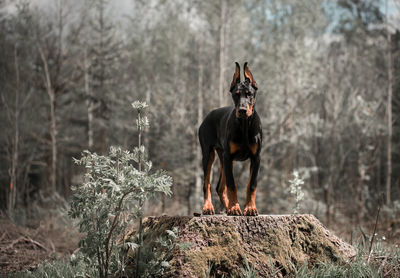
<point x="235" y="134"/>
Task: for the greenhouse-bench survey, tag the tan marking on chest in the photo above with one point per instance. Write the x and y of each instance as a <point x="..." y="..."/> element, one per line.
<point x="233" y="147"/>
<point x="253" y="148"/>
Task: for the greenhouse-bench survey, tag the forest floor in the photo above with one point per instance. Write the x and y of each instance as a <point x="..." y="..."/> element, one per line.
<point x="24" y="248"/>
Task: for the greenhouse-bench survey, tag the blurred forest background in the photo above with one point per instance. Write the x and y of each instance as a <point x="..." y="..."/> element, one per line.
<point x="329" y="97"/>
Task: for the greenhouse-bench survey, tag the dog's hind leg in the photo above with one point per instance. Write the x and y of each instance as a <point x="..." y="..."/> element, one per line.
<point x="221" y="186"/>
<point x="208" y="159"/>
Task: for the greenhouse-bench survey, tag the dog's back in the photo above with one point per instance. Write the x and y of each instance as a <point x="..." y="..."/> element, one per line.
<point x="212" y="130"/>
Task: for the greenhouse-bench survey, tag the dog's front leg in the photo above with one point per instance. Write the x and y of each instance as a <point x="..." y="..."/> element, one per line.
<point x="250" y="206"/>
<point x="233" y="204"/>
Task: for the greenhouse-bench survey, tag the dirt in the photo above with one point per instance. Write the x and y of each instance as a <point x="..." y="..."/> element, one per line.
<point x="24" y="248"/>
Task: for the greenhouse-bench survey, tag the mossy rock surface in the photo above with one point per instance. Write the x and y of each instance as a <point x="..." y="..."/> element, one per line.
<point x="221" y="244"/>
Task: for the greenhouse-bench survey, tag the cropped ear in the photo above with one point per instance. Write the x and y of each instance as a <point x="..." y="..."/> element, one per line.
<point x="236" y="77"/>
<point x="248" y="76"/>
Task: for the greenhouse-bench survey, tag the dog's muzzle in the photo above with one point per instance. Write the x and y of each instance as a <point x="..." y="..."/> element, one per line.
<point x="242" y="110"/>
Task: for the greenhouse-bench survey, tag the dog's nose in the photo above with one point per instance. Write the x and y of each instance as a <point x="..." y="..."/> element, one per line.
<point x="242" y="111"/>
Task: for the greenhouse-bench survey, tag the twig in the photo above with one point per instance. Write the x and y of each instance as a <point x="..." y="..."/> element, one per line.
<point x="3" y="236"/>
<point x="114" y="225"/>
<point x="364" y="242"/>
<point x="12" y="244"/>
<point x="22" y="238"/>
<point x="387" y="273"/>
<point x="373" y="235"/>
<point x="363" y="234"/>
<point x="36" y="243"/>
<point x="381" y="257"/>
<point x="383" y="263"/>
<point x="52" y="246"/>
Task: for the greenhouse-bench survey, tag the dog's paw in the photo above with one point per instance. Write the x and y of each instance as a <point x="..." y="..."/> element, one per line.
<point x="250" y="211"/>
<point x="208" y="209"/>
<point x="234" y="210"/>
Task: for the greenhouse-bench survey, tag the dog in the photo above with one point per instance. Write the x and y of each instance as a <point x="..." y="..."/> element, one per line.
<point x="235" y="134"/>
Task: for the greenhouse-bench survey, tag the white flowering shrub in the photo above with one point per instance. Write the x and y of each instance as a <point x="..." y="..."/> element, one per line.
<point x="296" y="189"/>
<point x="111" y="197"/>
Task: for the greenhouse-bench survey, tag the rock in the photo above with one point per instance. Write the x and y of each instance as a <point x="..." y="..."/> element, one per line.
<point x="221" y="245"/>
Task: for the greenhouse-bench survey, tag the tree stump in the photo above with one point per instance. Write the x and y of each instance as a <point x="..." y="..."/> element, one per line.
<point x="221" y="245"/>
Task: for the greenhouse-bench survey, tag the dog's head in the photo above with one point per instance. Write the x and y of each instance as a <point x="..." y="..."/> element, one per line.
<point x="243" y="92"/>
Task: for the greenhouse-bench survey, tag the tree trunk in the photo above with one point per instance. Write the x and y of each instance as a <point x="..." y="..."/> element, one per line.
<point x="221" y="244"/>
<point x="53" y="127"/>
<point x="89" y="103"/>
<point x="329" y="194"/>
<point x="222" y="53"/>
<point x="103" y="105"/>
<point x="14" y="160"/>
<point x="389" y="112"/>
<point x="53" y="134"/>
<point x="197" y="195"/>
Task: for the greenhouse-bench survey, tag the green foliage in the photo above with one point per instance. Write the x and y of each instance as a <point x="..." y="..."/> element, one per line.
<point x="208" y="272"/>
<point x="154" y="259"/>
<point x="110" y="198"/>
<point x="274" y="271"/>
<point x="381" y="262"/>
<point x="65" y="268"/>
<point x="357" y="268"/>
<point x="248" y="271"/>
